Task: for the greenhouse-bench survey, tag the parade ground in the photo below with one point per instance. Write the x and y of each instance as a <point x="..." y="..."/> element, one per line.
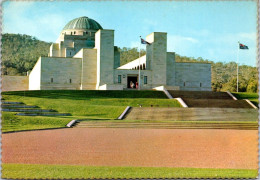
<point x="192" y="148"/>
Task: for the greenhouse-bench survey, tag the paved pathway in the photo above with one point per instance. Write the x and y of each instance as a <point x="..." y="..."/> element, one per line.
<point x="208" y="148"/>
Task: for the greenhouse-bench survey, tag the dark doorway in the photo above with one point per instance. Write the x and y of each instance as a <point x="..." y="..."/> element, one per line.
<point x="130" y="80"/>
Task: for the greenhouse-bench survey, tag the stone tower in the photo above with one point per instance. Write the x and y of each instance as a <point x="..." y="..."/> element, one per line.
<point x="156" y="57"/>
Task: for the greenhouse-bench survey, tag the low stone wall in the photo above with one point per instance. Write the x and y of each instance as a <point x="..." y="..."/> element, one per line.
<point x="111" y="87"/>
<point x="15" y="83"/>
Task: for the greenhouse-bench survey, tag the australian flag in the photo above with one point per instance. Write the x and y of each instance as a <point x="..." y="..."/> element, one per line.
<point x="242" y="46"/>
<point x="144" y="41"/>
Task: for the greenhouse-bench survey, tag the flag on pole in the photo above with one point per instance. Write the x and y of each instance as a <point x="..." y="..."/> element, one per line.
<point x="242" y="46"/>
<point x="144" y="41"/>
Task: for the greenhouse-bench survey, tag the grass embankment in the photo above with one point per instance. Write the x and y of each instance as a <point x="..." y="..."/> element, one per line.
<point x="80" y="104"/>
<point x="253" y="97"/>
<point x="32" y="171"/>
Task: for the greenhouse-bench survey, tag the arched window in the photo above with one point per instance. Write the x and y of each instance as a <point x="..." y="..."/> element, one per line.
<point x="70" y="33"/>
<point x="74" y="32"/>
<point x="143" y="66"/>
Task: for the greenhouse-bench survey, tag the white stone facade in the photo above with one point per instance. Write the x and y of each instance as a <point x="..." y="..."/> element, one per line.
<point x="87" y="59"/>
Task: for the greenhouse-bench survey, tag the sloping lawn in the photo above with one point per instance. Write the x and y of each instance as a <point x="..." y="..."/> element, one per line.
<point x="253" y="97"/>
<point x="80" y="104"/>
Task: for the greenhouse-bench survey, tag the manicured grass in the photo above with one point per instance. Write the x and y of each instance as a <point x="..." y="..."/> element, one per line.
<point x="253" y="97"/>
<point x="80" y="104"/>
<point x="24" y="171"/>
<point x="11" y="122"/>
<point x="86" y="94"/>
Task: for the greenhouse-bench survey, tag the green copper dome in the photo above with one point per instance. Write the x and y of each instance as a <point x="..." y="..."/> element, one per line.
<point x="83" y="23"/>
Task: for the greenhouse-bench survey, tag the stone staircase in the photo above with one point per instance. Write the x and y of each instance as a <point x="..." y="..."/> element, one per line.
<point x="169" y="125"/>
<point x="25" y="110"/>
<point x="200" y="94"/>
<point x="221" y="103"/>
<point x="209" y="99"/>
<point x="192" y="114"/>
<point x="181" y="118"/>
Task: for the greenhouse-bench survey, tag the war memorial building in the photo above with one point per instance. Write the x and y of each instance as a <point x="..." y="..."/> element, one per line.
<point x="84" y="57"/>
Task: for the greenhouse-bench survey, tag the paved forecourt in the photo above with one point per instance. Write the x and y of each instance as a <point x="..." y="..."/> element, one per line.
<point x="198" y="148"/>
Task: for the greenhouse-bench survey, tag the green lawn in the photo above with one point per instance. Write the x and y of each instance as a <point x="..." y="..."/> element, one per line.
<point x="80" y="104"/>
<point x="253" y="97"/>
<point x="32" y="171"/>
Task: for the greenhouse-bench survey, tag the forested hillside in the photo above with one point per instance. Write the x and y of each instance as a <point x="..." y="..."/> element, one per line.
<point x="20" y="53"/>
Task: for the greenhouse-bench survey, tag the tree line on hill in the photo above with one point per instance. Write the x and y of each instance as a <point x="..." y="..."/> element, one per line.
<point x="20" y="53"/>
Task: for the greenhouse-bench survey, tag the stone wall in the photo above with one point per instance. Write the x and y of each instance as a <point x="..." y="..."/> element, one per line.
<point x="193" y="76"/>
<point x="116" y="58"/>
<point x="104" y="43"/>
<point x="15" y="83"/>
<point x="60" y="73"/>
<point x="170" y="69"/>
<point x="156" y="57"/>
<point x="89" y="68"/>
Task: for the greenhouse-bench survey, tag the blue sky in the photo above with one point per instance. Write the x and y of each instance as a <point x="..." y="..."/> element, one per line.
<point x="207" y="29"/>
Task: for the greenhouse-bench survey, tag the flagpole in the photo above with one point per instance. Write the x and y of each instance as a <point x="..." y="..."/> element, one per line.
<point x="139" y="76"/>
<point x="237" y="64"/>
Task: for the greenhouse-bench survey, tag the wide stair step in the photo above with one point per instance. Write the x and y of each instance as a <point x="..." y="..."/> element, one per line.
<point x="43" y="114"/>
<point x="199" y="94"/>
<point x="193" y="114"/>
<point x="27" y="110"/>
<point x="17" y="106"/>
<point x="221" y="103"/>
<point x="10" y="102"/>
<point x="173" y="125"/>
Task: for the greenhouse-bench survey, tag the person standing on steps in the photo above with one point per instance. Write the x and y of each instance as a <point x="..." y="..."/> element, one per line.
<point x="132" y="84"/>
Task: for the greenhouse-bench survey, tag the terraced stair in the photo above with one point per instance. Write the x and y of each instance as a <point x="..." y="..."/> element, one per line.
<point x="42" y="114"/>
<point x="221" y="103"/>
<point x="193" y="114"/>
<point x="171" y="125"/>
<point x="200" y="94"/>
<point x="209" y="99"/>
<point x="10" y="102"/>
<point x="25" y="110"/>
<point x="17" y="106"/>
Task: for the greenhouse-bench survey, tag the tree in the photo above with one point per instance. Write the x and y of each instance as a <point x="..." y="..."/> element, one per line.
<point x="129" y="54"/>
<point x="20" y="52"/>
<point x="252" y="86"/>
